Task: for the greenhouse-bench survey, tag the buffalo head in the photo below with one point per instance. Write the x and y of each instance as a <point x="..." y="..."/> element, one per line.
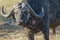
<point x="21" y="12"/>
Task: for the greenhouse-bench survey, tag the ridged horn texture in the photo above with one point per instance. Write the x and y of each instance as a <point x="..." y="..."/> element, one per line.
<point x="7" y="14"/>
<point x="41" y="14"/>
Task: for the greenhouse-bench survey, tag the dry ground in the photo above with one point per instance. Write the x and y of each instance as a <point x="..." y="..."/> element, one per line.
<point x="15" y="32"/>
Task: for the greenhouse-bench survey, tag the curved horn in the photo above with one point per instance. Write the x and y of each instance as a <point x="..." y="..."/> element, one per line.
<point x="34" y="14"/>
<point x="6" y="14"/>
<point x="11" y="11"/>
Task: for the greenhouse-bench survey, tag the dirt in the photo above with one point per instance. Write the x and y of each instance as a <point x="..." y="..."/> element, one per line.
<point x="15" y="32"/>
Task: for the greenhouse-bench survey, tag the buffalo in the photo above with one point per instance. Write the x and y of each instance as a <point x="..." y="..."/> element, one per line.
<point x="36" y="15"/>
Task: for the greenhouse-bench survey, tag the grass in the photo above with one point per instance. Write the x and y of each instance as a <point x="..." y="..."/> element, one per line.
<point x="8" y="4"/>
